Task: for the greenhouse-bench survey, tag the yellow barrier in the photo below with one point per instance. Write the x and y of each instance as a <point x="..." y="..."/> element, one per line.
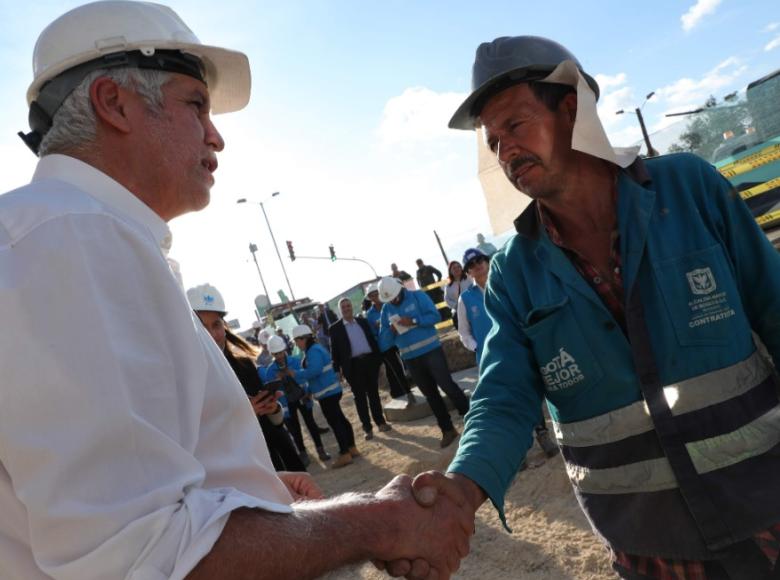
<point x="768" y="218"/>
<point x="759" y="189"/>
<point x="751" y="158"/>
<point x="744" y="166"/>
<point x="443" y="324"/>
<point x="439" y="284"/>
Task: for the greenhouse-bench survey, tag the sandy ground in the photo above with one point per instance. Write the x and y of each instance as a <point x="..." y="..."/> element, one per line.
<point x="551" y="538"/>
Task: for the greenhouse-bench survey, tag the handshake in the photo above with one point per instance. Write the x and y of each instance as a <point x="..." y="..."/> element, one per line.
<point x="430" y="522"/>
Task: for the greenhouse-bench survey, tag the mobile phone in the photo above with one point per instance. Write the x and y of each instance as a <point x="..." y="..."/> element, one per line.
<point x="273" y="386"/>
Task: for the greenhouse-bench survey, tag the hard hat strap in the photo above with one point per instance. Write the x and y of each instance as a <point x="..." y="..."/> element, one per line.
<point x="54" y="92"/>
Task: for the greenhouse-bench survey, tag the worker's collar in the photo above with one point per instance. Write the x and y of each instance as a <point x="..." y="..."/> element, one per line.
<point x="527" y="224"/>
<point x="103" y="188"/>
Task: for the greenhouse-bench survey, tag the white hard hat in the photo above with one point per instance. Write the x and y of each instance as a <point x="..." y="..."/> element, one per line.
<point x="301" y="330"/>
<point x="276" y="344"/>
<point x="256" y="325"/>
<point x="206" y="297"/>
<point x="112" y="27"/>
<point x="389" y="288"/>
<point x="263" y="336"/>
<point x="373" y="287"/>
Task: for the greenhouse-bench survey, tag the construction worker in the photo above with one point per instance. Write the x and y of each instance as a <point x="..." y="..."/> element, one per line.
<point x="128" y="447"/>
<point x="408" y="320"/>
<point x="629" y="300"/>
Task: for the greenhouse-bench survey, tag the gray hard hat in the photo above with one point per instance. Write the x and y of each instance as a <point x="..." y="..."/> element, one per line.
<point x="507" y="61"/>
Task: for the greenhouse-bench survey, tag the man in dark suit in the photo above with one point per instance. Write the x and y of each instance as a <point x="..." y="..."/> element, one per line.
<point x="356" y="356"/>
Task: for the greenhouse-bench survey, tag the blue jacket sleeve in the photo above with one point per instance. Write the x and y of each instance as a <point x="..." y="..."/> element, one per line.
<point x="270" y="372"/>
<point x="755" y="261"/>
<point x="429" y="316"/>
<point x="506" y="404"/>
<point x="386" y="336"/>
<point x="315" y="362"/>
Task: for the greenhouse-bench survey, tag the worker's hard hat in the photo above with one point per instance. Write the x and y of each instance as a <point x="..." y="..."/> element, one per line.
<point x="276" y="344"/>
<point x="507" y="61"/>
<point x="301" y="330"/>
<point x="121" y="33"/>
<point x="389" y="288"/>
<point x="263" y="336"/>
<point x="206" y="298"/>
<point x="373" y="287"/>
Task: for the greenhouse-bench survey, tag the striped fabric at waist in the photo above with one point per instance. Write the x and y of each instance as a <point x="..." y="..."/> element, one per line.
<point x="418" y="344"/>
<point x="632" y="425"/>
<point x="329" y="389"/>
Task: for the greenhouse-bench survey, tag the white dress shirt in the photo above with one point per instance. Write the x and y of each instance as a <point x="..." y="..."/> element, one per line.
<point x="125" y="438"/>
<point x="464" y="327"/>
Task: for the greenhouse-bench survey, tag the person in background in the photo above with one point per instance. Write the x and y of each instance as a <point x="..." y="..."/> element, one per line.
<point x="402" y="275"/>
<point x="325" y="387"/>
<point x="457" y="283"/>
<point x="296" y="398"/>
<point x="356" y="357"/>
<point x="427" y="275"/>
<point x="281" y="334"/>
<point x="475" y="325"/>
<point x="394" y="369"/>
<point x="485" y="247"/>
<point x="408" y="320"/>
<point x="264" y="358"/>
<point x="325" y="318"/>
<point x="209" y="306"/>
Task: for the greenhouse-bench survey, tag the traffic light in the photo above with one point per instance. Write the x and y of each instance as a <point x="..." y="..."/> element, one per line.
<point x="290" y="249"/>
<point x="332" y="253"/>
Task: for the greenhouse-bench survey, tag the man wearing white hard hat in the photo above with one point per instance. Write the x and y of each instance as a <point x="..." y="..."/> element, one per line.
<point x="394" y="370"/>
<point x="130" y="451"/>
<point x="408" y="321"/>
<point x="628" y="301"/>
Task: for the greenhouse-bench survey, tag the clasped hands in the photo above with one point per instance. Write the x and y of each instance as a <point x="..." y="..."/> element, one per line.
<point x="436" y="524"/>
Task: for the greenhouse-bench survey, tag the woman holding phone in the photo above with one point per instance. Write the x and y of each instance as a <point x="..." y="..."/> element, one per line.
<point x="209" y="306"/>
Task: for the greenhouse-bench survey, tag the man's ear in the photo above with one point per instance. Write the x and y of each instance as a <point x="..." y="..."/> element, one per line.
<point x="569" y="105"/>
<point x="109" y="101"/>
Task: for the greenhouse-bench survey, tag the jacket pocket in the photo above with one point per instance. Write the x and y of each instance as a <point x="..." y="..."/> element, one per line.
<point x="566" y="362"/>
<point x="700" y="296"/>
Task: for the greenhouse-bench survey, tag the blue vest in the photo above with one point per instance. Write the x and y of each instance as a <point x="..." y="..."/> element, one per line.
<point x="420" y="339"/>
<point x="474" y="301"/>
<point x="270" y="372"/>
<point x="319" y="373"/>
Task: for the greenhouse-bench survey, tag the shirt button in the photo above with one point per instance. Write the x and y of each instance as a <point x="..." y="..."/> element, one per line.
<point x="597" y="280"/>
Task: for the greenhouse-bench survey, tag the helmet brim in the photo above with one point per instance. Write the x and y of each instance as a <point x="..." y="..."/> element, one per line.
<point x="466" y="116"/>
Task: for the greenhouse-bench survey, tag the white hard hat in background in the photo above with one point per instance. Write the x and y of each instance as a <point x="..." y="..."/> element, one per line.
<point x="389" y="288"/>
<point x="206" y="298"/>
<point x="263" y="336"/>
<point x="276" y="344"/>
<point x="256" y="325"/>
<point x="301" y="330"/>
<point x="373" y="287"/>
<point x="98" y="29"/>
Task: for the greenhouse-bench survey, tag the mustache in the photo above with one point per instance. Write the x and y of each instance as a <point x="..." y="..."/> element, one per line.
<point x="517" y="162"/>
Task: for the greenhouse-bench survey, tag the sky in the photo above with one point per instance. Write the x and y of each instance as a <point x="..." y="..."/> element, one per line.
<point x="349" y="110"/>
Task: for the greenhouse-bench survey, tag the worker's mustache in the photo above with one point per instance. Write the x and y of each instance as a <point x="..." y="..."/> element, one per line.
<point x="518" y="162"/>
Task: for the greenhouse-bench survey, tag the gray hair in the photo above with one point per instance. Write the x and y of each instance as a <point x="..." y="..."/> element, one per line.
<point x="75" y="125"/>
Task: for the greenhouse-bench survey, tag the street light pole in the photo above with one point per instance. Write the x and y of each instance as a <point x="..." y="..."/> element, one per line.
<point x="638" y="112"/>
<point x="273" y="239"/>
<point x="253" y="249"/>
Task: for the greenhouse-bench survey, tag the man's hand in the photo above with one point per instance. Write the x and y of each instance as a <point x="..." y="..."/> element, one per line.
<point x="406" y="321"/>
<point x="429" y="488"/>
<point x="431" y="538"/>
<point x="301" y="485"/>
<point x="265" y="403"/>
